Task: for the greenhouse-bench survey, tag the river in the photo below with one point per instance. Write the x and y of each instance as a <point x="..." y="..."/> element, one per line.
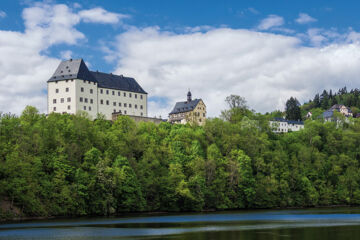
<point x="309" y="224"/>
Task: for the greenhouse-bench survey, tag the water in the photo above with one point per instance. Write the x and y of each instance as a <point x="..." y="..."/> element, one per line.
<point x="309" y="224"/>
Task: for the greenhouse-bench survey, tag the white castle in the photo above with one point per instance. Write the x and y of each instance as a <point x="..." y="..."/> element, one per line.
<point x="73" y="88"/>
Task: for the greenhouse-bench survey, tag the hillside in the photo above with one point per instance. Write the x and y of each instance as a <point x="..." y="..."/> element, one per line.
<point x="68" y="165"/>
<point x="326" y="99"/>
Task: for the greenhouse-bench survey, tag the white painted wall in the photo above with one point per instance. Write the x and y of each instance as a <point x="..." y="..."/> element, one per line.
<point x="129" y="103"/>
<point x="283" y="127"/>
<point x="62" y="107"/>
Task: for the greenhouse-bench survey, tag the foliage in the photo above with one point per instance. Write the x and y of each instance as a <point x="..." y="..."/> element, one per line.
<point x="64" y="165"/>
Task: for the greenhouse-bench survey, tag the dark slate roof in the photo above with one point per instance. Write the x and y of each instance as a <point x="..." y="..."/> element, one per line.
<point x="76" y="68"/>
<point x="288" y="121"/>
<point x="328" y="114"/>
<point x="113" y="81"/>
<point x="71" y="69"/>
<point x="181" y="107"/>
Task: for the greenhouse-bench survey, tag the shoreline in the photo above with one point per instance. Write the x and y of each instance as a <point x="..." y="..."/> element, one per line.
<point x="29" y="218"/>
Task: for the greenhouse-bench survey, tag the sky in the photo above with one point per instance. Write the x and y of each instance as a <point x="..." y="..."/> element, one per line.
<point x="265" y="51"/>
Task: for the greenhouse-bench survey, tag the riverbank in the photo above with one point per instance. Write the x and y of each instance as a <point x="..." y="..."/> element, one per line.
<point x="12" y="218"/>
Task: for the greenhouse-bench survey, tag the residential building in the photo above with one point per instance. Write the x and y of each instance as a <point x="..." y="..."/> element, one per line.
<point x="190" y="111"/>
<point x="74" y="88"/>
<point x="281" y="125"/>
<point x="342" y="109"/>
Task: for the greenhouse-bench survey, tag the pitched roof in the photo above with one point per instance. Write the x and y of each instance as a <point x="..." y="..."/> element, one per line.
<point x="113" y="81"/>
<point x="186" y="106"/>
<point x="71" y="69"/>
<point x="288" y="121"/>
<point x="77" y="69"/>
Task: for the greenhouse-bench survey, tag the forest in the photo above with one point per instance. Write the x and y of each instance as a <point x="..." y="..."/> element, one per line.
<point x="69" y="165"/>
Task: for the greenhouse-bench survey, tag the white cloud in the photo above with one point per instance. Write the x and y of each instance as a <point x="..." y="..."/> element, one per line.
<point x="305" y="18"/>
<point x="24" y="66"/>
<point x="100" y="15"/>
<point x="66" y="54"/>
<point x="2" y="14"/>
<point x="270" y="22"/>
<point x="265" y="68"/>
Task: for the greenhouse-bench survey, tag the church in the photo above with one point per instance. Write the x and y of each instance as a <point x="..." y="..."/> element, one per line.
<point x="74" y="88"/>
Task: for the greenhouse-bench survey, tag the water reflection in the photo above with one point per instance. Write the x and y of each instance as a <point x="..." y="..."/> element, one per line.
<point x="330" y="224"/>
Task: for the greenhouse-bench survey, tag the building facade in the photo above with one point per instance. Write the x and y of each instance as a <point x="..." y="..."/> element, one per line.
<point x="190" y="111"/>
<point x="74" y="88"/>
<point x="281" y="125"/>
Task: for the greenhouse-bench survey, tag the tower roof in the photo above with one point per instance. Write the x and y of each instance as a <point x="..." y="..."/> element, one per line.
<point x="71" y="69"/>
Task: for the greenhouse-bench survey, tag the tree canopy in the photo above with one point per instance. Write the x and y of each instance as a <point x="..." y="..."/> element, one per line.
<point x="68" y="165"/>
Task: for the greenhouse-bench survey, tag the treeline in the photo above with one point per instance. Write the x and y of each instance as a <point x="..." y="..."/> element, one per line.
<point x="327" y="99"/>
<point x="68" y="165"/>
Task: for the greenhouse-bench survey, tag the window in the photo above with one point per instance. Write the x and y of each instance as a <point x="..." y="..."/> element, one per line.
<point x="129" y="94"/>
<point x="114" y="104"/>
<point x="66" y="80"/>
<point x="57" y="90"/>
<point x="119" y="104"/>
<point x="91" y="91"/>
<point x="113" y="92"/>
<point x="141" y="114"/>
<point x="203" y="114"/>
<point x="101" y="91"/>
<point x="81" y="99"/>
<point x="54" y="108"/>
<point x="125" y="105"/>
<point x="124" y="94"/>
<point x="68" y="107"/>
<point x="107" y="102"/>
<point x="135" y="106"/>
<point x="89" y="82"/>
<point x="114" y="110"/>
<point x="141" y="106"/>
<point x="54" y="100"/>
<point x="62" y="100"/>
<point x="141" y="96"/>
<point x="67" y="89"/>
<point x="84" y="81"/>
<point x="135" y="95"/>
<point x="124" y="111"/>
<point x="107" y="92"/>
<point x="82" y="89"/>
<point x="56" y="82"/>
<point x="119" y="93"/>
<point x="68" y="99"/>
<point x="84" y="107"/>
<point x="94" y="83"/>
<point x="86" y="100"/>
<point x="91" y="101"/>
<point x="89" y="108"/>
<point x="101" y="101"/>
<point x="129" y="105"/>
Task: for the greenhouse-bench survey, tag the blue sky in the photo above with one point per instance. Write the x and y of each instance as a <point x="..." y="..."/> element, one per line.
<point x="265" y="51"/>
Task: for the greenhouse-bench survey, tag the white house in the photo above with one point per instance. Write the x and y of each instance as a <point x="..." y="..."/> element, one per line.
<point x="73" y="87"/>
<point x="281" y="125"/>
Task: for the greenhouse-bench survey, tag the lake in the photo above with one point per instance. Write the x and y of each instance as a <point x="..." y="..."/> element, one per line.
<point x="309" y="224"/>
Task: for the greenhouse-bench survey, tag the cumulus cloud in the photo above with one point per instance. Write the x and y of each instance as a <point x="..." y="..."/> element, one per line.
<point x="2" y="14"/>
<point x="24" y="66"/>
<point x="305" y="18"/>
<point x="270" y="22"/>
<point x="100" y="15"/>
<point x="265" y="68"/>
<point x="66" y="54"/>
